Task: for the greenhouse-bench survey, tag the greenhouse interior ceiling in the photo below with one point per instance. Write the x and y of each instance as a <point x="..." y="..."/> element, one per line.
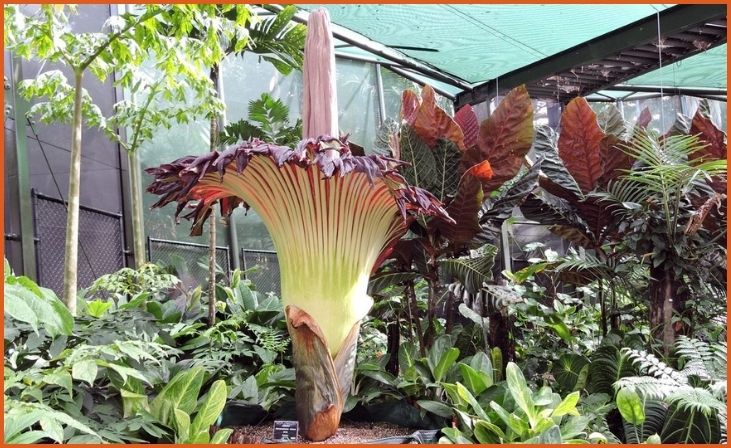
<point x="365" y="223"/>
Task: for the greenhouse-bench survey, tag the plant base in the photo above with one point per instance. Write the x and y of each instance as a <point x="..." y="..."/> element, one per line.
<point x="322" y="383"/>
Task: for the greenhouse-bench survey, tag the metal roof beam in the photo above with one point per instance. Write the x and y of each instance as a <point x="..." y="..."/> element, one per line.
<point x="674" y="20"/>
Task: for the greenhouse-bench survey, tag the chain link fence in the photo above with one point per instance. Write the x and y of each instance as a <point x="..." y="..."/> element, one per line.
<point x="188" y="261"/>
<point x="263" y="269"/>
<point x="101" y="242"/>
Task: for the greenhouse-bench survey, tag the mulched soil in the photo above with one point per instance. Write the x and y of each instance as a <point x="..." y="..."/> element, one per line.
<point x="348" y="433"/>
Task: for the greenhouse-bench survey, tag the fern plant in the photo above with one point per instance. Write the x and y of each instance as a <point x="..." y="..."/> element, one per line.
<point x="687" y="403"/>
<point x="268" y="121"/>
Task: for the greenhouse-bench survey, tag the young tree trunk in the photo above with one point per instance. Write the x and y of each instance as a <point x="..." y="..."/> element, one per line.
<point x="138" y="231"/>
<point x="393" y="342"/>
<point x="664" y="300"/>
<point x="212" y="221"/>
<point x="71" y="260"/>
<point x="501" y="335"/>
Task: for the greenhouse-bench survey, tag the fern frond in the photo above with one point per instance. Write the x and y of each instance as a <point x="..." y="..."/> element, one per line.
<point x="696" y="399"/>
<point x="649" y="387"/>
<point x="650" y="365"/>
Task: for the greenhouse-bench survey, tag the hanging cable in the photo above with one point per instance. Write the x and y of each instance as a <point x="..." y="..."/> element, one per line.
<point x="58" y="188"/>
<point x="659" y="57"/>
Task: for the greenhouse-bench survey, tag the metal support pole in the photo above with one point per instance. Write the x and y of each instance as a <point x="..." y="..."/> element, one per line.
<point x="27" y="236"/>
<point x="381" y="98"/>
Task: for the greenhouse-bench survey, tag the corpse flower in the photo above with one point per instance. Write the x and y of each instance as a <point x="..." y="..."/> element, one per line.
<point x="333" y="216"/>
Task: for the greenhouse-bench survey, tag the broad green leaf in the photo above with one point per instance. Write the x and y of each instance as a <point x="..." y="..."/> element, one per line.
<point x="557" y="325"/>
<point x="465" y="395"/>
<point x="567" y="406"/>
<point x="487" y="432"/>
<point x="180" y="393"/>
<point x="436" y="407"/>
<point x="481" y="363"/>
<point x="85" y="370"/>
<point x="519" y="390"/>
<point x="124" y="371"/>
<point x="456" y="436"/>
<point x="52" y="428"/>
<point x="630" y="406"/>
<point x="17" y="308"/>
<point x="27" y="437"/>
<point x="551" y="435"/>
<point x="476" y="381"/>
<point x="446" y="362"/>
<point x="221" y="436"/>
<point x="60" y="378"/>
<point x="211" y="408"/>
<point x="132" y="402"/>
<point x="182" y="425"/>
<point x="97" y="308"/>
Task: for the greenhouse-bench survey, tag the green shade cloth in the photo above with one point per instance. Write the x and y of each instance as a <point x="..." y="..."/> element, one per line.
<point x="703" y="70"/>
<point x="481" y="42"/>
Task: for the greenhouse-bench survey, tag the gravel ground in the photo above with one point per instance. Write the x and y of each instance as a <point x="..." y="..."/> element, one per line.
<point x="348" y="432"/>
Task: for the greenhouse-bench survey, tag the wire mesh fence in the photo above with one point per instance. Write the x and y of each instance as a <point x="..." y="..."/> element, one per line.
<point x="188" y="261"/>
<point x="101" y="242"/>
<point x="262" y="268"/>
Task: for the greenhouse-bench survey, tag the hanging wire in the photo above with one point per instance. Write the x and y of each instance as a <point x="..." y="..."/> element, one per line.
<point x="659" y="57"/>
<point x="58" y="189"/>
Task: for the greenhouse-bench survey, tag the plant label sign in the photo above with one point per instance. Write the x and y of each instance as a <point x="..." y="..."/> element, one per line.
<point x="285" y="430"/>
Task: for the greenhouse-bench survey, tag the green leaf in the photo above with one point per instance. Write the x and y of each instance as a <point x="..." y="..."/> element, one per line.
<point x="132" y="402"/>
<point x="567" y="406"/>
<point x="471" y="272"/>
<point x="52" y="428"/>
<point x="211" y="408"/>
<point x="481" y="363"/>
<point x="17" y="308"/>
<point x="476" y="381"/>
<point x="571" y="371"/>
<point x="554" y="322"/>
<point x="180" y="393"/>
<point x="446" y="362"/>
<point x="380" y="282"/>
<point x="653" y="440"/>
<point x="456" y="436"/>
<point x="436" y="407"/>
<point x="519" y="390"/>
<point x="221" y="436"/>
<point x="46" y="310"/>
<point x="630" y="406"/>
<point x="487" y="432"/>
<point x="182" y="426"/>
<point x="97" y="308"/>
<point x="85" y="370"/>
<point x="61" y="378"/>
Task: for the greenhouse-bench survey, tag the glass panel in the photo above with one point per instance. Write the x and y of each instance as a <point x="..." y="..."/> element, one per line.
<point x="357" y="101"/>
<point x="394" y="85"/>
<point x="246" y="78"/>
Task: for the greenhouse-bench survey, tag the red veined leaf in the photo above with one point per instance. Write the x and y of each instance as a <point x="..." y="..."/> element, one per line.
<point x="482" y="171"/>
<point x="504" y="139"/>
<point x="431" y="123"/>
<point x="644" y="119"/>
<point x="614" y="159"/>
<point x="578" y="144"/>
<point x="711" y="136"/>
<point x="467" y="121"/>
<point x="409" y="105"/>
<point x="463" y="209"/>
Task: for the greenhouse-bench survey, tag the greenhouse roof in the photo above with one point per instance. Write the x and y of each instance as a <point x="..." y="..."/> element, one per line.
<point x="470" y="49"/>
<point x="480" y="42"/>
